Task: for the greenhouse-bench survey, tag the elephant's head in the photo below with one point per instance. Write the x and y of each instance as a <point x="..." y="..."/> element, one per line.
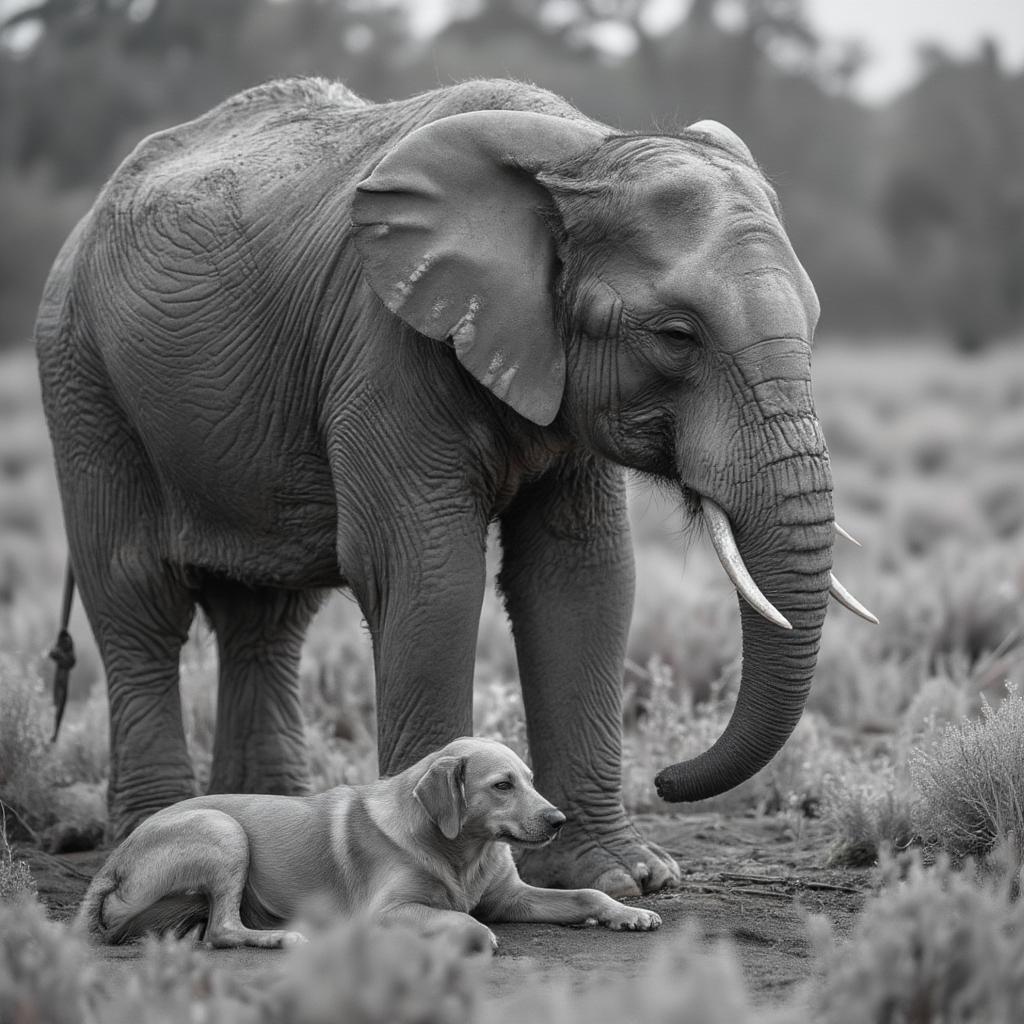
<point x="639" y="292"/>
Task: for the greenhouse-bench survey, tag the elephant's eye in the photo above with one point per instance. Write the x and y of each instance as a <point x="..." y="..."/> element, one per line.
<point x="679" y="335"/>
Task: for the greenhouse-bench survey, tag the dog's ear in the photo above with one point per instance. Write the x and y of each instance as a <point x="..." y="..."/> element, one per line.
<point x="442" y="792"/>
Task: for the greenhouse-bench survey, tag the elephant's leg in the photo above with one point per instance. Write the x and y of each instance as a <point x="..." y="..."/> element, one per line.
<point x="423" y="609"/>
<point x="259" y="744"/>
<point x="140" y="626"/>
<point x="139" y="609"/>
<point x="567" y="576"/>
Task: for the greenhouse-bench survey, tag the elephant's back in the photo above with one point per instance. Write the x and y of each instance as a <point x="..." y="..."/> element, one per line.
<point x="261" y="134"/>
<point x="271" y="131"/>
<point x="289" y="143"/>
<point x="402" y="116"/>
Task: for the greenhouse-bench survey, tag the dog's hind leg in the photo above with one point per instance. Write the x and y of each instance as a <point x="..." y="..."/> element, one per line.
<point x="157" y="880"/>
<point x="226" y="928"/>
<point x="181" y="868"/>
<point x="224" y="869"/>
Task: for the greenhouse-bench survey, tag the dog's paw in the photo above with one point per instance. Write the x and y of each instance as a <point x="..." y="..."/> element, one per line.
<point x="632" y="919"/>
<point x="477" y="940"/>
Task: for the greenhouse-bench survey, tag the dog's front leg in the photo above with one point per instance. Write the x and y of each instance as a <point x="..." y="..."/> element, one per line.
<point x="471" y="934"/>
<point x="514" y="900"/>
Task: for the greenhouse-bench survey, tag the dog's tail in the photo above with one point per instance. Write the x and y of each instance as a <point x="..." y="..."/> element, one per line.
<point x="90" y="916"/>
<point x="106" y="916"/>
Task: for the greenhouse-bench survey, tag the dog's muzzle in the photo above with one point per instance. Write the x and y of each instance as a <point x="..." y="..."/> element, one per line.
<point x="554" y="819"/>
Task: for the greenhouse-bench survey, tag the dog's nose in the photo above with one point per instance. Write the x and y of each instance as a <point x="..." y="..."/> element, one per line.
<point x="554" y="818"/>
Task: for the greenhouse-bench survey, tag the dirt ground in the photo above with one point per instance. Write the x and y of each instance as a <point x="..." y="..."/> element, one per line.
<point x="750" y="880"/>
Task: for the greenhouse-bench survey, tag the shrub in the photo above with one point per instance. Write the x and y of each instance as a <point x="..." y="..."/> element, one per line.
<point x="47" y="972"/>
<point x="686" y="617"/>
<point x="957" y="614"/>
<point x="173" y="982"/>
<point x="498" y="712"/>
<point x="868" y="808"/>
<point x="358" y="973"/>
<point x="16" y="881"/>
<point x="365" y="974"/>
<point x="873" y="803"/>
<point x="935" y="945"/>
<point x="972" y="781"/>
<point x="83" y="747"/>
<point x="27" y="774"/>
<point x="685" y="982"/>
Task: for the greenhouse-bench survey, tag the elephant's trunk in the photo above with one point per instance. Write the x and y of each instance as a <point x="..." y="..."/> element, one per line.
<point x="786" y="547"/>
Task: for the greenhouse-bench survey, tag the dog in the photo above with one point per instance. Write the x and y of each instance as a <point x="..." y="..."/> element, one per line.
<point x="429" y="847"/>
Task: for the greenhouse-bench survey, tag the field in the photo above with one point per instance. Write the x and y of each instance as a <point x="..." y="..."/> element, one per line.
<point x="912" y="738"/>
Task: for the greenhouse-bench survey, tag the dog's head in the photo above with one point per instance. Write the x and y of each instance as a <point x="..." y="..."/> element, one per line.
<point x="481" y="790"/>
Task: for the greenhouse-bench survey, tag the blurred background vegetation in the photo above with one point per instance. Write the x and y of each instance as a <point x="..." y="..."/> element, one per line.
<point x="909" y="215"/>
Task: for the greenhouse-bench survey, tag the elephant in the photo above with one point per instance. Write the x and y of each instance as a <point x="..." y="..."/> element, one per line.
<point x="307" y="342"/>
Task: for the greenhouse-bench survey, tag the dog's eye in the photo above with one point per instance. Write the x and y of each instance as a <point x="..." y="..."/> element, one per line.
<point x="504" y="785"/>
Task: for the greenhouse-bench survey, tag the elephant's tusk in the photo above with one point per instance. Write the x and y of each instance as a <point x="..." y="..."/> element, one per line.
<point x="847" y="600"/>
<point x="842" y="533"/>
<point x="732" y="563"/>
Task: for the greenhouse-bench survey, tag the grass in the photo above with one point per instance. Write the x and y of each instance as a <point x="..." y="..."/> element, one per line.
<point x="356" y="972"/>
<point x="935" y="945"/>
<point x="904" y="740"/>
<point x="16" y="881"/>
<point x="926" y="450"/>
<point x="972" y="782"/>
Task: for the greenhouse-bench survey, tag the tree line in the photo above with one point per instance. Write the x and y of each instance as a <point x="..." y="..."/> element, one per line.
<point x="909" y="216"/>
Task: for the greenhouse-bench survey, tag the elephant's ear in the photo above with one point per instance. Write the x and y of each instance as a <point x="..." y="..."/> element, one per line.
<point x="725" y="137"/>
<point x="452" y="232"/>
<point x="442" y="793"/>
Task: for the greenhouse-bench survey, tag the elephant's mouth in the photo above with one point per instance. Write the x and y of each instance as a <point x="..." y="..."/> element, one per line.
<point x="720" y="532"/>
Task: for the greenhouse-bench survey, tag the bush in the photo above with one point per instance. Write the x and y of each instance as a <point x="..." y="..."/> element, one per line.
<point x="873" y="804"/>
<point x="868" y="808"/>
<point x="16" y="881"/>
<point x="685" y="983"/>
<point x="355" y="972"/>
<point x="935" y="945"/>
<point x="174" y="982"/>
<point x="972" y="781"/>
<point x="365" y="974"/>
<point x="47" y="972"/>
<point x="27" y="772"/>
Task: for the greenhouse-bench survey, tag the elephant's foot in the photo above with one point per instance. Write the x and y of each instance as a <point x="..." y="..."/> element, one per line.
<point x="608" y="855"/>
<point x="129" y="807"/>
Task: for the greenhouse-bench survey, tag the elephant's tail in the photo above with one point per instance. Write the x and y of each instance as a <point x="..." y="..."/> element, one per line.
<point x="63" y="653"/>
<point x="108" y="917"/>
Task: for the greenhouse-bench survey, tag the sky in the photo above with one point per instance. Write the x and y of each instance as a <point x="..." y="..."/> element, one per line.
<point x="892" y="28"/>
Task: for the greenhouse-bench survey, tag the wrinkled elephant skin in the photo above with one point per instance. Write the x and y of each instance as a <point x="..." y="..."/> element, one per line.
<point x="307" y="342"/>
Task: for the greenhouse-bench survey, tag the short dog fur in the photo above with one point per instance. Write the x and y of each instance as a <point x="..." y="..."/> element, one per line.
<point x="428" y="847"/>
